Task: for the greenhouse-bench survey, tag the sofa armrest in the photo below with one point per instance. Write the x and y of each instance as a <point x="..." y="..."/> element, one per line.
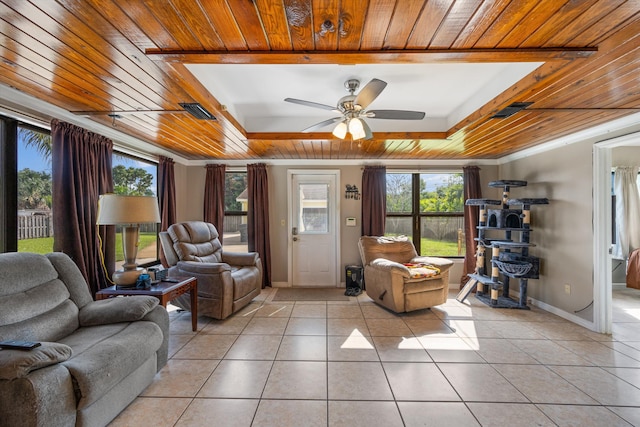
<point x="443" y="264"/>
<point x="16" y="364"/>
<point x="240" y="258"/>
<point x="194" y="267"/>
<point x="114" y="310"/>
<point x="391" y="267"/>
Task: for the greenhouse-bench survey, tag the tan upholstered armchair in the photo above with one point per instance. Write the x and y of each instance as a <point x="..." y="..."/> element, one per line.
<point x="227" y="281"/>
<point x="396" y="286"/>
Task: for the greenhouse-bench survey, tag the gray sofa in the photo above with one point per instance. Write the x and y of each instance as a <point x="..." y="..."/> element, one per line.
<point x="95" y="357"/>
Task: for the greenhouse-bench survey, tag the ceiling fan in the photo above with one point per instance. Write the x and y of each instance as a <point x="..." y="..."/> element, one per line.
<point x="353" y="110"/>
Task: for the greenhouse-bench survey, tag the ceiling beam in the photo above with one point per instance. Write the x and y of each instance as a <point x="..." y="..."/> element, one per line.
<point x="114" y="112"/>
<point x="284" y="136"/>
<point x="577" y="109"/>
<point x="377" y="57"/>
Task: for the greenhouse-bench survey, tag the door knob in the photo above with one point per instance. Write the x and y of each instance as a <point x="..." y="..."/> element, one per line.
<point x="295" y="239"/>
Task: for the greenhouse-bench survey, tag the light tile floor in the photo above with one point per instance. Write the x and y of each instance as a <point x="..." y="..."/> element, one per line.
<point x="354" y="363"/>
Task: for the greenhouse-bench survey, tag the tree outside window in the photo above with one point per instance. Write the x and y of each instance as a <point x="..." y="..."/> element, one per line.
<point x="428" y="208"/>
<point x="35" y="222"/>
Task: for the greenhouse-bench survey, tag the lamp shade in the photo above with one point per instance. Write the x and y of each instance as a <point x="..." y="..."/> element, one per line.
<point x="116" y="209"/>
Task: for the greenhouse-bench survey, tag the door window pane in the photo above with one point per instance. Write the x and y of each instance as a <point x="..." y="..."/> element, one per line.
<point x="314" y="204"/>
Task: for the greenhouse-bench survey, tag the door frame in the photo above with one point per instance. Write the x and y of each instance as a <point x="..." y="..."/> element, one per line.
<point x="335" y="216"/>
<point x="602" y="222"/>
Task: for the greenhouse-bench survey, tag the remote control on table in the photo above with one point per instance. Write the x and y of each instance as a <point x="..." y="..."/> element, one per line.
<point x="19" y="345"/>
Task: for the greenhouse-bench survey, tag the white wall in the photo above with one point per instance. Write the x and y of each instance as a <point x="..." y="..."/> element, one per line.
<point x="625" y="156"/>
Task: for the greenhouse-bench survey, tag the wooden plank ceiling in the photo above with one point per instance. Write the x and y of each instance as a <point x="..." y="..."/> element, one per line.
<point x="123" y="55"/>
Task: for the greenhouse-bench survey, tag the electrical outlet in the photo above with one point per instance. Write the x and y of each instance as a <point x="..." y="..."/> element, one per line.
<point x="567" y="289"/>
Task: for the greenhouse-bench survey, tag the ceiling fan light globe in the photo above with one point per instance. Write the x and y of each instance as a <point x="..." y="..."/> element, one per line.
<point x="356" y="129"/>
<point x="358" y="135"/>
<point x="355" y="126"/>
<point x="340" y="131"/>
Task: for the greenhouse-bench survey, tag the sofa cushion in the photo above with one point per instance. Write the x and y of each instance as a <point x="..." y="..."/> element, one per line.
<point x="105" y="355"/>
<point x="34" y="306"/>
<point x="398" y="249"/>
<point x="418" y="270"/>
<point x="413" y="286"/>
<point x="50" y="326"/>
<point x="19" y="363"/>
<point x="114" y="310"/>
<point x="196" y="241"/>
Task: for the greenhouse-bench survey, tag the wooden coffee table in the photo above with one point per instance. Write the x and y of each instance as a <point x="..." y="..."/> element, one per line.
<point x="165" y="290"/>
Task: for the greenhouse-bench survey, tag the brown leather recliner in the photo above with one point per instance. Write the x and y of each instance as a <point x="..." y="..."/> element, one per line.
<point x="227" y="281"/>
<point x="397" y="287"/>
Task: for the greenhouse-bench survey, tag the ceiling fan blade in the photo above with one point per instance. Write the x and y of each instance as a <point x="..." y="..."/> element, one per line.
<point x="367" y="130"/>
<point x="311" y="104"/>
<point x="322" y="124"/>
<point x="370" y="92"/>
<point x="395" y="114"/>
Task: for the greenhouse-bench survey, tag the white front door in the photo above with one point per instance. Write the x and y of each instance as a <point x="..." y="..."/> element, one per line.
<point x="314" y="232"/>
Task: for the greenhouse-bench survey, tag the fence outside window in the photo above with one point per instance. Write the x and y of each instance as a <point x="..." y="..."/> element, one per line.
<point x="35" y="226"/>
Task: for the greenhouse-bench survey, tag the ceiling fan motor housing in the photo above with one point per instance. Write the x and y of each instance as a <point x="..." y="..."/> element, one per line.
<point x="352" y="85"/>
<point x="346" y="104"/>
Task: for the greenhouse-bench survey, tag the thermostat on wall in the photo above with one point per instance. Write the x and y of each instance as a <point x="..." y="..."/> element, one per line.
<point x="351" y="222"/>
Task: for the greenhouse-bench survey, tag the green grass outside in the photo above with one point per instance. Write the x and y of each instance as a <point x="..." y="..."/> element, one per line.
<point x="44" y="245"/>
<point x="431" y="247"/>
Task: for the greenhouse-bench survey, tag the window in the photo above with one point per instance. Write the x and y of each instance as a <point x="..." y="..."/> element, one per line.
<point x="136" y="177"/>
<point x="26" y="189"/>
<point x="429" y="209"/>
<point x="35" y="220"/>
<point x="236" y="200"/>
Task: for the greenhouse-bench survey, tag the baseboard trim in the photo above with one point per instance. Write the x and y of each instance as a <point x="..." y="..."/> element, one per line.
<point x="565" y="315"/>
<point x="558" y="312"/>
<point x="287" y="285"/>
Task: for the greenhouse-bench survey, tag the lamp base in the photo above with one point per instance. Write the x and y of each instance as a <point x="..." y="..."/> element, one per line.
<point x="126" y="278"/>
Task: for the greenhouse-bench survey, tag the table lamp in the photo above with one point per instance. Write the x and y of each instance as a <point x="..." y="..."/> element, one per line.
<point x="130" y="212"/>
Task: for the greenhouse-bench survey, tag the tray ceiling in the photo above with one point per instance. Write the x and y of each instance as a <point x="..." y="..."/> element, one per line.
<point x="459" y="61"/>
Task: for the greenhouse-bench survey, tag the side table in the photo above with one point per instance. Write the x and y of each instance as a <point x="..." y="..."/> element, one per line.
<point x="165" y="291"/>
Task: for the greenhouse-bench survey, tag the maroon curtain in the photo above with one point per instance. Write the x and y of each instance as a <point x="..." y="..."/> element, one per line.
<point x="374" y="200"/>
<point x="81" y="171"/>
<point x="472" y="190"/>
<point x="214" y="196"/>
<point x="166" y="197"/>
<point x="258" y="217"/>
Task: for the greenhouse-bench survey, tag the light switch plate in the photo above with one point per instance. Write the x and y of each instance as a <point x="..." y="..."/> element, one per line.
<point x="350" y="222"/>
